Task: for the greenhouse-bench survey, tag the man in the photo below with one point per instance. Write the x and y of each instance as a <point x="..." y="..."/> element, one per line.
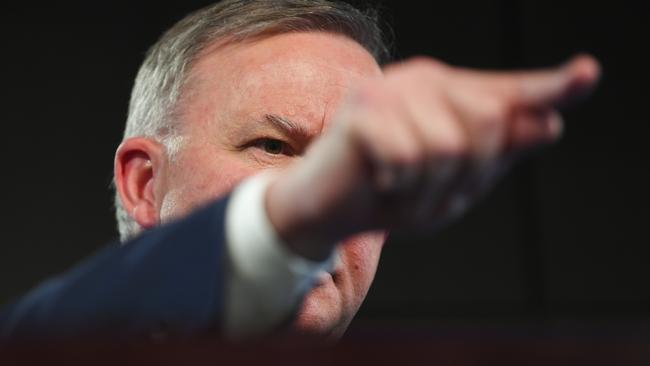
<point x="293" y="88"/>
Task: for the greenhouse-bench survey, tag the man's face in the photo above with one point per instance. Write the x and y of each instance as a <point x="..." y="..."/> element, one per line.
<point x="235" y="93"/>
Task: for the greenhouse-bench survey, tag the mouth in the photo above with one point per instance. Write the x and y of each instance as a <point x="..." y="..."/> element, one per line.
<point x="330" y="278"/>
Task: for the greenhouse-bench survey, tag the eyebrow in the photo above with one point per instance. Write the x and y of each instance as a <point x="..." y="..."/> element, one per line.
<point x="287" y="126"/>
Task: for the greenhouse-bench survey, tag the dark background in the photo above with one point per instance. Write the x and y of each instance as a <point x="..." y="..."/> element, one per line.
<point x="562" y="241"/>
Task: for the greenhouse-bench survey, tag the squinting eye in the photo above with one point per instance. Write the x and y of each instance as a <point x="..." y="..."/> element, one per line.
<point x="273" y="146"/>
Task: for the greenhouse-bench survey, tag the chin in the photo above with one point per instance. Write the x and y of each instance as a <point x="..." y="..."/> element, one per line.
<point x="323" y="313"/>
<point x="329" y="307"/>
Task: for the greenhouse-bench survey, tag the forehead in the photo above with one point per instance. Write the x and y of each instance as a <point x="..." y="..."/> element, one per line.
<point x="302" y="76"/>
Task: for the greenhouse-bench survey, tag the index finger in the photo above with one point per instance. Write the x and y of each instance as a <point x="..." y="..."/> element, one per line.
<point x="537" y="89"/>
<point x="554" y="87"/>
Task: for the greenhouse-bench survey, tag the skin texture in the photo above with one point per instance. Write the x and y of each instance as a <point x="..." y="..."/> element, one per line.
<point x="416" y="143"/>
<point x="302" y="77"/>
<point x="419" y="146"/>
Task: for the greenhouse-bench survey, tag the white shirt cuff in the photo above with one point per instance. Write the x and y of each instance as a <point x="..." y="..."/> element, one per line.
<point x="266" y="281"/>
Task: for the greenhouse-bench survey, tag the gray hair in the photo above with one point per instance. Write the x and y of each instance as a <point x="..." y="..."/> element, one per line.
<point x="161" y="79"/>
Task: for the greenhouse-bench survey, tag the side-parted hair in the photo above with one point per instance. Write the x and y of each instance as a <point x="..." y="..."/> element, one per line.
<point x="160" y="81"/>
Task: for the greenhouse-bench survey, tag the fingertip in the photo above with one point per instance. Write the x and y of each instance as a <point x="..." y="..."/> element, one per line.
<point x="584" y="69"/>
<point x="581" y="75"/>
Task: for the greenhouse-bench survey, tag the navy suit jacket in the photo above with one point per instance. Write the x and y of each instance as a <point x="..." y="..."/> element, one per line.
<point x="169" y="279"/>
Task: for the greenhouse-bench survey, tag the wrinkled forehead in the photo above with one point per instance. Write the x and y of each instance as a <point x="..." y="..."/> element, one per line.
<point x="302" y="76"/>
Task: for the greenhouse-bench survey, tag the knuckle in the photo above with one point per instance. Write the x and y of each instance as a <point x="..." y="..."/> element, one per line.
<point x="489" y="126"/>
<point x="425" y="62"/>
<point x="408" y="155"/>
<point x="376" y="94"/>
<point x="369" y="91"/>
<point x="493" y="111"/>
<point x="450" y="144"/>
<point x="420" y="66"/>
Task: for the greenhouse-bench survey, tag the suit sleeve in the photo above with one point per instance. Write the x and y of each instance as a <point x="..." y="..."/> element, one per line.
<point x="168" y="280"/>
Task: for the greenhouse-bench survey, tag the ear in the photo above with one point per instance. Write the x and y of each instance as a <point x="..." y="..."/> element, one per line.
<point x="138" y="164"/>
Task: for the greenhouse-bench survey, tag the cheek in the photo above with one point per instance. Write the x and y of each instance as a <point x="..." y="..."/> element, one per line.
<point x="196" y="179"/>
<point x="360" y="256"/>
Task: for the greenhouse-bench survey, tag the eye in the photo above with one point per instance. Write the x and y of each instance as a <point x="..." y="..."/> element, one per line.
<point x="273" y="146"/>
